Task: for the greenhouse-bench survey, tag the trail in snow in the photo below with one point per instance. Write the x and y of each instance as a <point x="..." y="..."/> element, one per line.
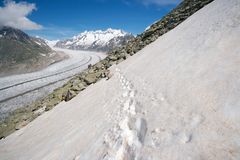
<point x="132" y="137"/>
<point x="125" y="140"/>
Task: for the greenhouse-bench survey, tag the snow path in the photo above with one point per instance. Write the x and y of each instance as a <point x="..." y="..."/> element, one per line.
<point x="125" y="140"/>
<point x="176" y="99"/>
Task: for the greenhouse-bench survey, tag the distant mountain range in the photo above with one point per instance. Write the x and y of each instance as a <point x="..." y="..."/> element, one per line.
<point x="96" y="40"/>
<point x="21" y="53"/>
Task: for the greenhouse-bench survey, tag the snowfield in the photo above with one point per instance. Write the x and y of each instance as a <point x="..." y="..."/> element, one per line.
<point x="177" y="99"/>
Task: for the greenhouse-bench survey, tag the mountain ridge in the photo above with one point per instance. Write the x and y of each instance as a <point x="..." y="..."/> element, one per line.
<point x="99" y="40"/>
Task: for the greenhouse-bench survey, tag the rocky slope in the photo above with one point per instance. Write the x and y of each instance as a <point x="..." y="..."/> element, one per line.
<point x="96" y="40"/>
<point x="20" y="53"/>
<point x="99" y="71"/>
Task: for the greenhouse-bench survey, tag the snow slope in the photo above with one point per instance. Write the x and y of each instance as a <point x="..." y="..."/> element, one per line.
<point x="176" y="99"/>
<point x="96" y="40"/>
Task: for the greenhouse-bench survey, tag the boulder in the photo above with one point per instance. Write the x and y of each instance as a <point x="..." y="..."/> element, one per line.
<point x="113" y="57"/>
<point x="21" y="124"/>
<point x="90" y="78"/>
<point x="69" y="95"/>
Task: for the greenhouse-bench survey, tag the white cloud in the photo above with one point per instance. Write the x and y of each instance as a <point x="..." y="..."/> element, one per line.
<point x="160" y="2"/>
<point x="15" y="15"/>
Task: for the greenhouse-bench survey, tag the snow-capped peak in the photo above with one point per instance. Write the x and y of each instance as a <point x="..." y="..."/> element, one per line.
<point x="96" y="40"/>
<point x="51" y="43"/>
<point x="89" y="37"/>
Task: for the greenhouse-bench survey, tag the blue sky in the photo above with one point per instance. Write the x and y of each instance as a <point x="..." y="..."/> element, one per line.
<point x="59" y="19"/>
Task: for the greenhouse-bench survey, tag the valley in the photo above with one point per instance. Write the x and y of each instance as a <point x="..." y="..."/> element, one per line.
<point x="22" y="89"/>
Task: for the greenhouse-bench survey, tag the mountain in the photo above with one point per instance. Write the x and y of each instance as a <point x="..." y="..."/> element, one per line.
<point x="96" y="40"/>
<point x="51" y="43"/>
<point x="20" y="53"/>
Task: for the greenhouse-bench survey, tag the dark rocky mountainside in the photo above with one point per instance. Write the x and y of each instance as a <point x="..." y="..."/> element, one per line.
<point x="20" y="53"/>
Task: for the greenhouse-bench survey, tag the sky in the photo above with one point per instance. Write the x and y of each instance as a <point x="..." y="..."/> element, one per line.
<point x="60" y="19"/>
